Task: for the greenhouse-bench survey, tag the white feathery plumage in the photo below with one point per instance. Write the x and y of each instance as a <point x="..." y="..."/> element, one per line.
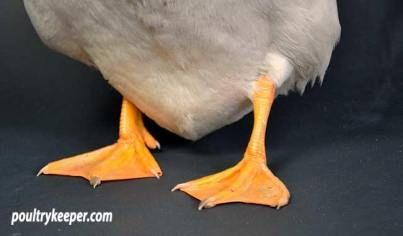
<point x="191" y="65"/>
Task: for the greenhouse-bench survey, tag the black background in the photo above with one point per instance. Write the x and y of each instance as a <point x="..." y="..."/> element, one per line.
<point x="339" y="148"/>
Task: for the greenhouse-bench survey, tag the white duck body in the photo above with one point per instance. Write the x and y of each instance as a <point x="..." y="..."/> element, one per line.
<point x="191" y="65"/>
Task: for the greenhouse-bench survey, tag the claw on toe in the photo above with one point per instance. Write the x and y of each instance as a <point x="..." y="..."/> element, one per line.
<point x="178" y="187"/>
<point x="40" y="172"/>
<point x="95" y="181"/>
<point x="156" y="174"/>
<point x="209" y="203"/>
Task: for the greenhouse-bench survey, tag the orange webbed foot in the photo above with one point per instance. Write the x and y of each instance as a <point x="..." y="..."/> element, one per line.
<point x="129" y="158"/>
<point x="120" y="161"/>
<point x="248" y="182"/>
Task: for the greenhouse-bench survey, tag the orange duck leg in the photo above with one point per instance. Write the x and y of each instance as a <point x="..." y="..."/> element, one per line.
<point x="250" y="181"/>
<point x="128" y="158"/>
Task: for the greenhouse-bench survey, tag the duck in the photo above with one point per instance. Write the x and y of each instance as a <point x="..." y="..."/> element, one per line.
<point x="193" y="67"/>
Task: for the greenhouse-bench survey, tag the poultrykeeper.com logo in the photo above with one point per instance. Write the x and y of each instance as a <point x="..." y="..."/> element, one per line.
<point x="46" y="217"/>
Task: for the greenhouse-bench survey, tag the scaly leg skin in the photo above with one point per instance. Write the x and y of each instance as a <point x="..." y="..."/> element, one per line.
<point x="250" y="181"/>
<point x="128" y="158"/>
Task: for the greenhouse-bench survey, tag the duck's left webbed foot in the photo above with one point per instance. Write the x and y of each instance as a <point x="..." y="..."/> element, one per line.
<point x="250" y="181"/>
